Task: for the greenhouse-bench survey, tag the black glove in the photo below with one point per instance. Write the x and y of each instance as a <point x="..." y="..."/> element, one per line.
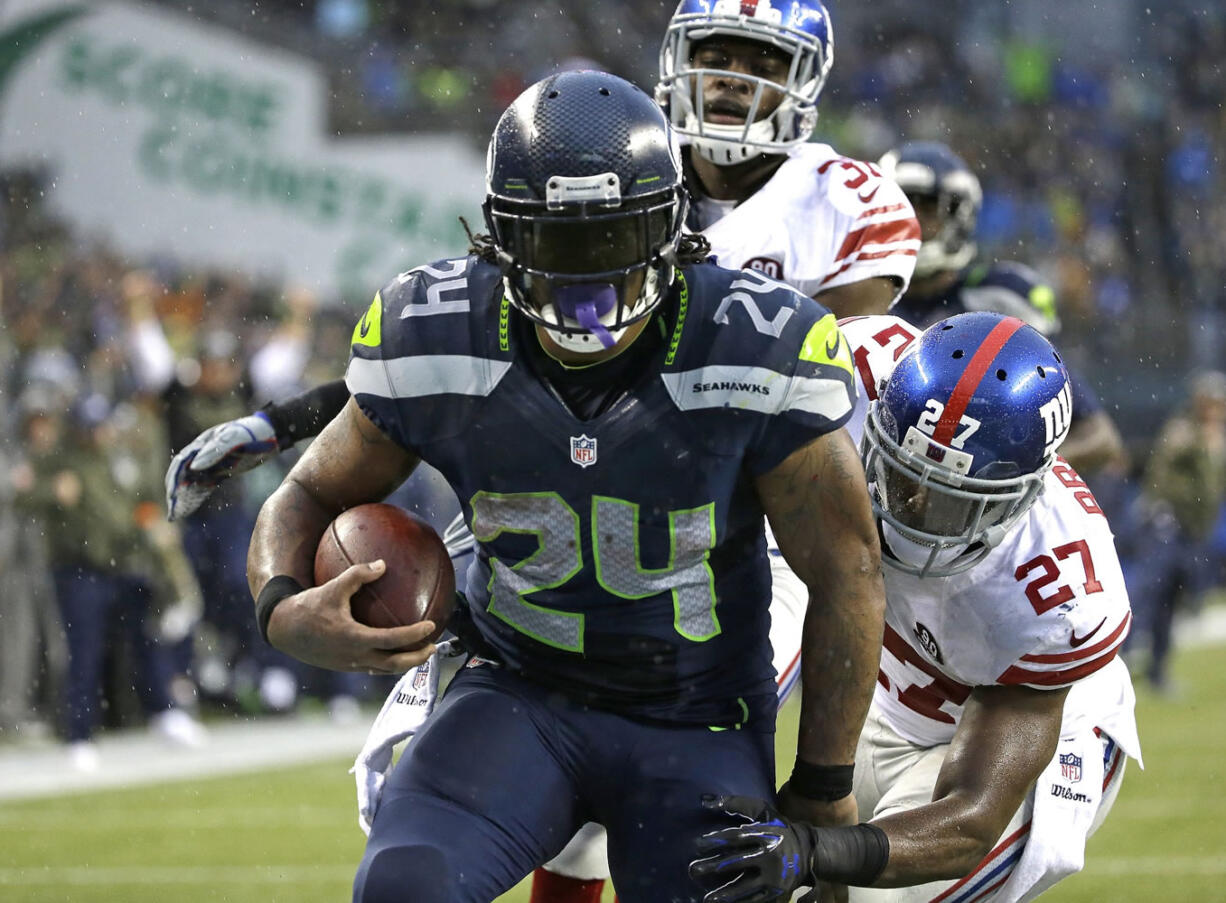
<point x="767" y="858"/>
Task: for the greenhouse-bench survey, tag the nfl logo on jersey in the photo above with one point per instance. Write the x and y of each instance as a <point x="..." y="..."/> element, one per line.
<point x="1070" y="767"/>
<point x="422" y="675"/>
<point x="583" y="451"/>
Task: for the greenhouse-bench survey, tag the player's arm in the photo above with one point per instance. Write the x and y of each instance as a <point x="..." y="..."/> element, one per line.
<point x="1005" y="739"/>
<point x="858" y="299"/>
<point x="351" y="463"/>
<point x="236" y="446"/>
<point x="819" y="511"/>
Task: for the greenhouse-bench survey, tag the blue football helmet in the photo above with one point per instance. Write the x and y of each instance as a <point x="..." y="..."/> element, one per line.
<point x="799" y="28"/>
<point x="957" y="445"/>
<point x="585" y="206"/>
<point x="932" y="174"/>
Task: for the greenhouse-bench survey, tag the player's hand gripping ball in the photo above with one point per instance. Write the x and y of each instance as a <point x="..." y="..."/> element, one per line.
<point x="419" y="583"/>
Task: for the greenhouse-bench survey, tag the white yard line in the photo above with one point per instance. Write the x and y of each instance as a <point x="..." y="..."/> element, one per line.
<point x="129" y="758"/>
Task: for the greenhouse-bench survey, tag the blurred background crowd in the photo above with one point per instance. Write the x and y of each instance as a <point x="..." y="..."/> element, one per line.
<point x="1101" y="166"/>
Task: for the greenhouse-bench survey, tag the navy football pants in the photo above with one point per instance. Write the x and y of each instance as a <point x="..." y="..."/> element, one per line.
<point x="505" y="772"/>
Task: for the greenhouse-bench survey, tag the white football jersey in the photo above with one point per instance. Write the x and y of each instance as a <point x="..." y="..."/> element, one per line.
<point x="1047" y="608"/>
<point x="821" y="221"/>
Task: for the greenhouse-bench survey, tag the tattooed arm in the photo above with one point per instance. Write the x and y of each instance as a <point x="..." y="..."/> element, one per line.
<point x="352" y="462"/>
<point x="818" y="506"/>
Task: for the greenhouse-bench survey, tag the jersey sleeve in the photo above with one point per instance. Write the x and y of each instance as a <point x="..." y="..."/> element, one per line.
<point x="369" y="377"/>
<point x="1014" y="289"/>
<point x="880" y="234"/>
<point x="818" y="397"/>
<point x="1061" y="666"/>
<point x="876" y="343"/>
<point x="1075" y="603"/>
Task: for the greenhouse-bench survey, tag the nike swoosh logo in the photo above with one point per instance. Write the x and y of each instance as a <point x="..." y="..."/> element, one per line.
<point x="833" y="345"/>
<point x="1076" y="641"/>
<point x="365" y="327"/>
<point x="869" y="196"/>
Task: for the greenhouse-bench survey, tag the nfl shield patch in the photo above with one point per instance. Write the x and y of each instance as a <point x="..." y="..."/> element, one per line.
<point x="422" y="675"/>
<point x="583" y="451"/>
<point x="1070" y="767"/>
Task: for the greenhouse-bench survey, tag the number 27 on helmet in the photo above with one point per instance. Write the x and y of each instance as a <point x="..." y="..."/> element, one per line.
<point x="958" y="443"/>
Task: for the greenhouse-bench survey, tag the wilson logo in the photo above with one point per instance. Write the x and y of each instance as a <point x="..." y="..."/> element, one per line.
<point x="730" y="386"/>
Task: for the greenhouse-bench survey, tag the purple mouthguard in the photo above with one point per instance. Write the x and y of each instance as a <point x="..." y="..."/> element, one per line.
<point x="586" y="303"/>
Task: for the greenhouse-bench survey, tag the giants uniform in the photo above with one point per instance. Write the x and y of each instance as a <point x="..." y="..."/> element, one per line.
<point x="820" y="221"/>
<point x="625" y="586"/>
<point x="1045" y="609"/>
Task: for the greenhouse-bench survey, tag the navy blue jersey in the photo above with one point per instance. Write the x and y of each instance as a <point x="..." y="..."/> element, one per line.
<point x="620" y="558"/>
<point x="1004" y="287"/>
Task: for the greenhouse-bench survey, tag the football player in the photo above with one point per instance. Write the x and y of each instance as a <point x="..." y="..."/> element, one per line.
<point x="616" y="417"/>
<point x="947" y="199"/>
<point x="1002" y="717"/>
<point x="740" y="82"/>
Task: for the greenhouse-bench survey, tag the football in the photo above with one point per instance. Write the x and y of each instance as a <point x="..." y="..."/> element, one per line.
<point x="419" y="582"/>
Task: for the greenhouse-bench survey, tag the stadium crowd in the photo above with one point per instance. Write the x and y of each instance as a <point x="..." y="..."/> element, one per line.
<point x="1098" y="169"/>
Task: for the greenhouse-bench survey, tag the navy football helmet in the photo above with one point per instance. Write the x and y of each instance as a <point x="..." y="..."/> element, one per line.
<point x="957" y="445"/>
<point x="799" y="28"/>
<point x="585" y="206"/>
<point x="932" y="174"/>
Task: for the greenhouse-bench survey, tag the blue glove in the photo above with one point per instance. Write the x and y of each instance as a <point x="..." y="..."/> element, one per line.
<point x="767" y="858"/>
<point x="214" y="456"/>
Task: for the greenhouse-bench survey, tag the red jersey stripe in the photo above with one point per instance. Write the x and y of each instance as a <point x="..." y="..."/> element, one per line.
<point x="1018" y="675"/>
<point x="971" y="377"/>
<point x="875" y="255"/>
<point x="1087" y="652"/>
<point x="878" y="234"/>
<point x="889" y="208"/>
<point x="1012" y="838"/>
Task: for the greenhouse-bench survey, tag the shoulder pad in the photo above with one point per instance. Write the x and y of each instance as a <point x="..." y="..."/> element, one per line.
<point x="1015" y="289"/>
<point x="877" y="342"/>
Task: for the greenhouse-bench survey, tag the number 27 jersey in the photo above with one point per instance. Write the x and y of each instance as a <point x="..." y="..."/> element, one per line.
<point x="1046" y="609"/>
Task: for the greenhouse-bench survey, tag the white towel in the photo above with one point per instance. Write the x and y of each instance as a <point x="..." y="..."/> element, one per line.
<point x="404" y="711"/>
<point x="1066" y="799"/>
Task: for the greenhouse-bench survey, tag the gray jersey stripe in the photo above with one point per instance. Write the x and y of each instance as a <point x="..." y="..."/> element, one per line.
<point x="418" y="376"/>
<point x="757" y="389"/>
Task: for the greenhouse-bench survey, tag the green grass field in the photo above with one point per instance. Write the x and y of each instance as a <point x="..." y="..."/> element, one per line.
<point x="293" y="835"/>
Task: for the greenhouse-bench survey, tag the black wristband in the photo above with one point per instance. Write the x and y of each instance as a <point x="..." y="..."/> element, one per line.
<point x="856" y="854"/>
<point x="279" y="587"/>
<point x="305" y="415"/>
<point x="826" y="783"/>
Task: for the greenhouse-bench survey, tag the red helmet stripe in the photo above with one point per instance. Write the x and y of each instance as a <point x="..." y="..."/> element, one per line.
<point x="972" y="376"/>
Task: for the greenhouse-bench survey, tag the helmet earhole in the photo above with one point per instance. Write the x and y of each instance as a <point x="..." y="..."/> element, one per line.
<point x="1042" y="373"/>
<point x="1000" y="374"/>
<point x="957" y="355"/>
<point x="604" y="92"/>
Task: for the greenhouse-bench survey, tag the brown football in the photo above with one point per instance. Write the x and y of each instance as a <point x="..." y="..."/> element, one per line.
<point x="419" y="583"/>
